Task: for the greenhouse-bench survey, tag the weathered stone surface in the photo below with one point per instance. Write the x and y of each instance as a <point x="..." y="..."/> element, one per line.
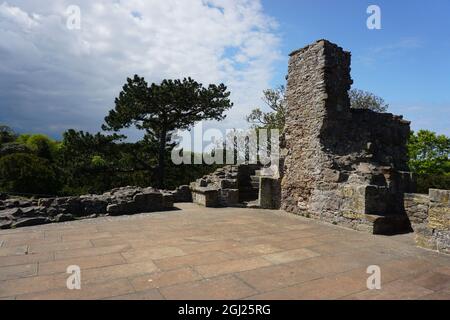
<point x="229" y="197"/>
<point x="148" y="202"/>
<point x="32" y="212"/>
<point x="29" y="222"/>
<point x="182" y="194"/>
<point x="441" y="197"/>
<point x="18" y="213"/>
<point x="13" y="212"/>
<point x="226" y="187"/>
<point x="269" y="193"/>
<point x="430" y="218"/>
<point x="168" y="201"/>
<point x="5" y="223"/>
<point x="342" y="164"/>
<point x="416" y="207"/>
<point x="92" y="205"/>
<point x="208" y="197"/>
<point x="46" y="202"/>
<point x="116" y="209"/>
<point x="64" y="218"/>
<point x="439" y="212"/>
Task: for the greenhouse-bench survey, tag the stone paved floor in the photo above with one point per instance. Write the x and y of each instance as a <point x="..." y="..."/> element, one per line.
<point x="199" y="253"/>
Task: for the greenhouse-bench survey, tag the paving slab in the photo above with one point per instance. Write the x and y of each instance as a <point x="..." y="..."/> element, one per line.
<point x="206" y="253"/>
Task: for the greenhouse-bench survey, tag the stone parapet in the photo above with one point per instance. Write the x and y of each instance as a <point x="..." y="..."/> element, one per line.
<point x="430" y="219"/>
<point x="16" y="213"/>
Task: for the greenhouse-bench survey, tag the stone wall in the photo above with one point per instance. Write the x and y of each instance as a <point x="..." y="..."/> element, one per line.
<point x="430" y="219"/>
<point x="344" y="166"/>
<point x="16" y="213"/>
<point x="416" y="207"/>
<point x="229" y="186"/>
<point x="217" y="189"/>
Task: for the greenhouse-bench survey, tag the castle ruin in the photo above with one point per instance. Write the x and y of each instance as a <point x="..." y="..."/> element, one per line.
<point x="344" y="166"/>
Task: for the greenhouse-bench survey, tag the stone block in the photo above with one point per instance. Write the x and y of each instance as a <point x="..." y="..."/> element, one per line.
<point x="441" y="197"/>
<point x="439" y="211"/>
<point x="229" y="184"/>
<point x="269" y="193"/>
<point x="182" y="194"/>
<point x="206" y="197"/>
<point x="91" y="206"/>
<point x="168" y="201"/>
<point x="229" y="197"/>
<point x="29" y="222"/>
<point x="148" y="202"/>
<point x="416" y="208"/>
<point x="439" y="218"/>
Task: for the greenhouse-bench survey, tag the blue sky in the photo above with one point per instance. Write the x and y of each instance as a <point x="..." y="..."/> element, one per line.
<point x="53" y="78"/>
<point x="407" y="62"/>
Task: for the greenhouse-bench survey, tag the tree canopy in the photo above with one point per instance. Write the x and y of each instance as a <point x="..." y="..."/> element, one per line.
<point x="28" y="174"/>
<point x="275" y="100"/>
<point x="429" y="155"/>
<point x="429" y="152"/>
<point x="160" y="109"/>
<point x="360" y="99"/>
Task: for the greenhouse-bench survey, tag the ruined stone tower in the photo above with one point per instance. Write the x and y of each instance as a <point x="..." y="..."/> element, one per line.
<point x="344" y="166"/>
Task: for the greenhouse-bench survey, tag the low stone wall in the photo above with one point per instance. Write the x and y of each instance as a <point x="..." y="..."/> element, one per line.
<point x="430" y="219"/>
<point x="207" y="197"/>
<point x="219" y="189"/>
<point x="16" y="213"/>
<point x="182" y="194"/>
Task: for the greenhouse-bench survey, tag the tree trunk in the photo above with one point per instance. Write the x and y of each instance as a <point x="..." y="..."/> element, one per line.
<point x="162" y="159"/>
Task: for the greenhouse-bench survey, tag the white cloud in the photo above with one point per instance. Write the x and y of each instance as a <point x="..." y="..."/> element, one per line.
<point x="53" y="78"/>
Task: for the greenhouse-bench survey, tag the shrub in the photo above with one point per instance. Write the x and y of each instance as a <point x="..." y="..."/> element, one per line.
<point x="28" y="174"/>
<point x="41" y="145"/>
<point x="425" y="182"/>
<point x="13" y="147"/>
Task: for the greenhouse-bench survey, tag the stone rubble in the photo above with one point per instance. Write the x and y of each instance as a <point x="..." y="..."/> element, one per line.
<point x="219" y="188"/>
<point x="229" y="186"/>
<point x="16" y="213"/>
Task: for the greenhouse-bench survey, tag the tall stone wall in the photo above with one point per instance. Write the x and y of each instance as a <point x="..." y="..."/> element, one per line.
<point x="343" y="166"/>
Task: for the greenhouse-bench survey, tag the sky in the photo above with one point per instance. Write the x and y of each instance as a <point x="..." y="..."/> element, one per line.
<point x="53" y="78"/>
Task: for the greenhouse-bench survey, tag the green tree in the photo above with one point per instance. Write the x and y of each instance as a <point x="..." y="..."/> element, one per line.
<point x="360" y="99"/>
<point x="91" y="162"/>
<point x="429" y="155"/>
<point x="275" y="100"/>
<point x="13" y="147"/>
<point x="28" y="174"/>
<point x="160" y="109"/>
<point x="41" y="145"/>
